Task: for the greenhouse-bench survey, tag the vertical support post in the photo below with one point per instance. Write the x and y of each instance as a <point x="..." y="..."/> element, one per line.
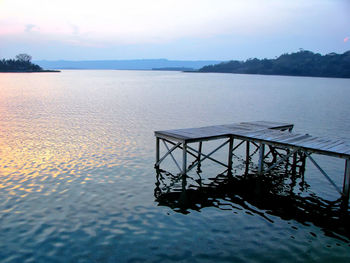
<point x="184" y="158"/>
<point x="294" y="165"/>
<point x="157" y="152"/>
<point x="302" y="158"/>
<point x="294" y="171"/>
<point x="247" y="157"/>
<point x="199" y="157"/>
<point x="261" y="158"/>
<point x="346" y="185"/>
<point x="303" y="164"/>
<point x="230" y="148"/>
<point x="184" y="168"/>
<point x="274" y="154"/>
<point x="287" y="161"/>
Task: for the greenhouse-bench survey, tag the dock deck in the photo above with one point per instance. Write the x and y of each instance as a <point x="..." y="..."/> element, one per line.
<point x="207" y="133"/>
<point x="261" y="133"/>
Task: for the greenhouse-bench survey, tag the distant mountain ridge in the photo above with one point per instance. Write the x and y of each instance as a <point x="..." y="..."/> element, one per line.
<point x="302" y="63"/>
<point x="135" y="64"/>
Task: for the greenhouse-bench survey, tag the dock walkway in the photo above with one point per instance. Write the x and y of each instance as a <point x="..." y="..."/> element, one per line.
<point x="261" y="133"/>
<point x="207" y="133"/>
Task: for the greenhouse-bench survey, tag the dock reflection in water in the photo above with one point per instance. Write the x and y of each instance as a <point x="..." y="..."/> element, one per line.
<point x="280" y="193"/>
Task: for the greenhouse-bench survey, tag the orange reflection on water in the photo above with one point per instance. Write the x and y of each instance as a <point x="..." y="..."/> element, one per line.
<point x="49" y="141"/>
<point x="32" y="166"/>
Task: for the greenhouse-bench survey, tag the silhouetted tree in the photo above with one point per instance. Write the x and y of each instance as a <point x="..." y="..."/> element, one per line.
<point x="24" y="57"/>
<point x="22" y="63"/>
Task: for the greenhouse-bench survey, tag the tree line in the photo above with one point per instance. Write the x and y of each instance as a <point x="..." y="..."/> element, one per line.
<point x="22" y="63"/>
<point x="301" y="63"/>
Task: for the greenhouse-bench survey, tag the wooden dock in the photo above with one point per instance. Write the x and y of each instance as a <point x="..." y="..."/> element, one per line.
<point x="208" y="133"/>
<point x="261" y="134"/>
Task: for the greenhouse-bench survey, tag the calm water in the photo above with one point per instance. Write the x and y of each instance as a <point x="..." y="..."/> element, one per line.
<point x="77" y="182"/>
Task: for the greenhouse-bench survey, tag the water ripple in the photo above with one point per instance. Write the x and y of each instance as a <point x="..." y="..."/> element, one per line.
<point x="76" y="169"/>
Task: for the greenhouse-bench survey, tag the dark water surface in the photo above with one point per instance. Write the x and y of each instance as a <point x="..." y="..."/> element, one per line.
<point x="78" y="184"/>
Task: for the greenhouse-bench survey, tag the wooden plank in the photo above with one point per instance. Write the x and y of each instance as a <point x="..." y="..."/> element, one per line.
<point x="301" y="142"/>
<point x="286" y="137"/>
<point x="326" y="147"/>
<point x="169" y="137"/>
<point x="237" y="126"/>
<point x="274" y="137"/>
<point x="295" y="138"/>
<point x="258" y="134"/>
<point x="271" y="124"/>
<point x="324" y="143"/>
<point x="337" y="145"/>
<point x="309" y="142"/>
<point x="342" y="148"/>
<point x="333" y="144"/>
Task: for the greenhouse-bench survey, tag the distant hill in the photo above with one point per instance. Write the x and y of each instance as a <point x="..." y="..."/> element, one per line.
<point x="137" y="64"/>
<point x="174" y="69"/>
<point x="302" y="63"/>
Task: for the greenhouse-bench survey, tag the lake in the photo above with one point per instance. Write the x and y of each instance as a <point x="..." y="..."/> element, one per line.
<point x="78" y="184"/>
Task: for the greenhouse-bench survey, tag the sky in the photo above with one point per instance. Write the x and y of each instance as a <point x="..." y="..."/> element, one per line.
<point x="171" y="29"/>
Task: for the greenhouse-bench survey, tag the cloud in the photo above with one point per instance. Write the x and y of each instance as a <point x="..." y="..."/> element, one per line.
<point x="75" y="29"/>
<point x="30" y="28"/>
<point x="179" y="24"/>
<point x="157" y="21"/>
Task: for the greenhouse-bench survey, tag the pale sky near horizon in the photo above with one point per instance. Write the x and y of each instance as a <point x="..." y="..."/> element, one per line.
<point x="172" y="29"/>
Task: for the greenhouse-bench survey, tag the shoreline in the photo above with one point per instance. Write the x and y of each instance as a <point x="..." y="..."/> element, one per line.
<point x="260" y="74"/>
<point x="29" y="71"/>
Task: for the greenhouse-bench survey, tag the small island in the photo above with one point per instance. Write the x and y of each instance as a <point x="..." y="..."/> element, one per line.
<point x="174" y="69"/>
<point x="301" y="63"/>
<point x="22" y="63"/>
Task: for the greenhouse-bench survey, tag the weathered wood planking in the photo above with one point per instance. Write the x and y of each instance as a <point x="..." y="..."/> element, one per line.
<point x="219" y="131"/>
<point x="270" y="125"/>
<point x="271" y="133"/>
<point x="321" y="145"/>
